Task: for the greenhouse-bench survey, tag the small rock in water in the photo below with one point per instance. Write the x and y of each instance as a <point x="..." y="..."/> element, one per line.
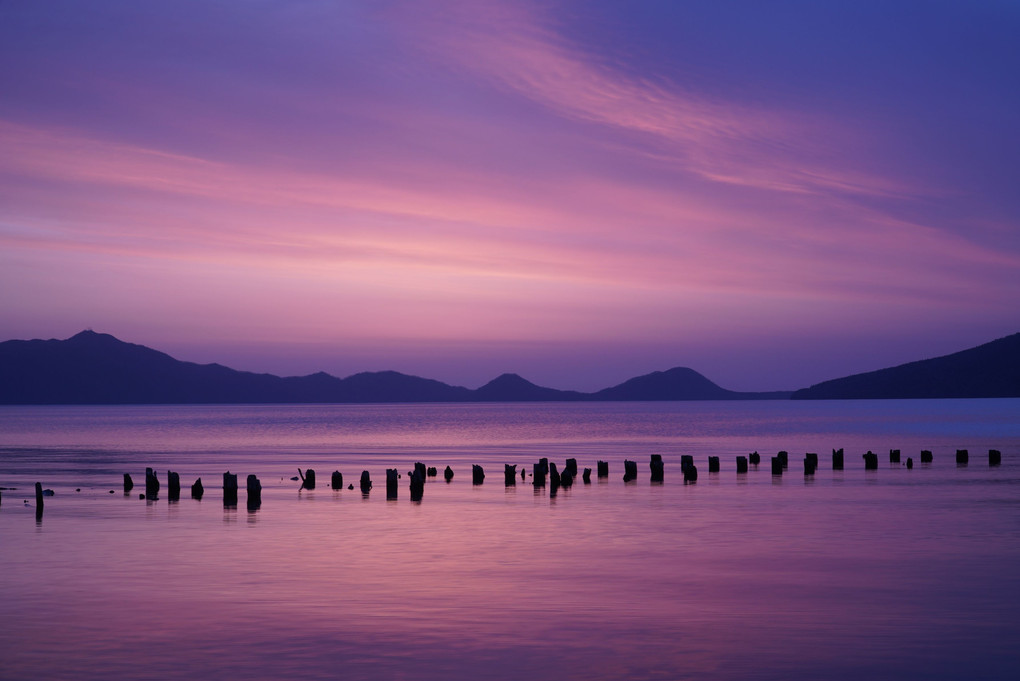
<point x="141" y="496"/>
<point x="48" y="493"/>
<point x="351" y="486"/>
<point x="77" y="489"/>
<point x="111" y="491"/>
<point x="295" y="478"/>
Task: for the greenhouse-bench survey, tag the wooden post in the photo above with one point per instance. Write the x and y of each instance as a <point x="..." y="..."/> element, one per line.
<point x="870" y="461"/>
<point x="544" y="463"/>
<point x="254" y="493"/>
<point x="602" y="469"/>
<point x="837" y="459"/>
<point x="538" y="474"/>
<point x="894" y="456"/>
<point x="926" y="456"/>
<point x="366" y="482"/>
<point x="38" y="498"/>
<point x="586" y="476"/>
<point x="431" y="472"/>
<point x="741" y="464"/>
<point x="448" y="474"/>
<point x="690" y="475"/>
<point x="571" y="467"/>
<point x="197" y="490"/>
<point x="657" y="468"/>
<point x="391" y="483"/>
<point x="173" y="486"/>
<point x="554" y="476"/>
<point x="629" y="470"/>
<point x="962" y="457"/>
<point x="994" y="457"/>
<point x="814" y="459"/>
<point x="566" y="478"/>
<point x="777" y="466"/>
<point x="713" y="464"/>
<point x="128" y="483"/>
<point x="151" y="484"/>
<point x="910" y="462"/>
<point x="509" y="474"/>
<point x="477" y="474"/>
<point x="686" y="460"/>
<point x="420" y="467"/>
<point x="754" y="457"/>
<point x="336" y="480"/>
<point x="418" y="483"/>
<point x="810" y="465"/>
<point x="307" y="478"/>
<point x="784" y="456"/>
<point x="229" y="489"/>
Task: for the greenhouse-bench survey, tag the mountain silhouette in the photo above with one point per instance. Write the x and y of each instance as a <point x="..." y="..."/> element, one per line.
<point x="989" y="370"/>
<point x="97" y="368"/>
<point x="513" y="388"/>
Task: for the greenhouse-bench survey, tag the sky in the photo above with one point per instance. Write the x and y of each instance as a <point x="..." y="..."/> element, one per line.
<point x="773" y="194"/>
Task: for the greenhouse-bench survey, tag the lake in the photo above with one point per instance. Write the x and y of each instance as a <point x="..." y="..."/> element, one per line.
<point x="883" y="574"/>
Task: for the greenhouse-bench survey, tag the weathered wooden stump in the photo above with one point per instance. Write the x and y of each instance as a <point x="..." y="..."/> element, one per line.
<point x="910" y="462"/>
<point x="431" y="472"/>
<point x="448" y="474"/>
<point x="173" y="486"/>
<point x="586" y="476"/>
<point x="566" y="479"/>
<point x="477" y="474"/>
<point x="994" y="457"/>
<point x="128" y="483"/>
<point x="814" y="458"/>
<point x="307" y="478"/>
<point x="690" y="475"/>
<point x="657" y="467"/>
<point x="538" y="475"/>
<point x="336" y="480"/>
<point x="254" y="493"/>
<point x="741" y="464"/>
<point x="713" y="464"/>
<point x="151" y="484"/>
<point x="602" y="469"/>
<point x="962" y="457"/>
<point x="754" y="458"/>
<point x="686" y="460"/>
<point x="837" y="459"/>
<point x="870" y="461"/>
<point x="571" y="467"/>
<point x="784" y="456"/>
<point x="229" y="489"/>
<point x="544" y="463"/>
<point x="810" y="465"/>
<point x="392" y="478"/>
<point x="523" y="473"/>
<point x="926" y="456"/>
<point x="418" y="483"/>
<point x="197" y="490"/>
<point x="554" y="476"/>
<point x="777" y="466"/>
<point x="894" y="456"/>
<point x="629" y="470"/>
<point x="366" y="482"/>
<point x="509" y="474"/>
<point x="38" y="497"/>
<point x="420" y="467"/>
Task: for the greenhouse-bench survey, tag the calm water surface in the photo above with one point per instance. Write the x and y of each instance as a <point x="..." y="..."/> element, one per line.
<point x="886" y="574"/>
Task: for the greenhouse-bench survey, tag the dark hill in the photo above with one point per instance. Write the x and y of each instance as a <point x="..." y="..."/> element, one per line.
<point x="513" y="388"/>
<point x="679" y="383"/>
<point x="989" y="370"/>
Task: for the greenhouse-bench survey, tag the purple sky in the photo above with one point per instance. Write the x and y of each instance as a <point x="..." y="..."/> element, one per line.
<point x="773" y="194"/>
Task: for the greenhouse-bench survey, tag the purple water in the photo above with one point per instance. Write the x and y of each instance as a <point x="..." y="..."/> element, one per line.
<point x="884" y="574"/>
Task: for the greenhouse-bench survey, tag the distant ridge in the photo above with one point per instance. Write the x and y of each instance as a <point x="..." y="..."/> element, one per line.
<point x="989" y="370"/>
<point x="97" y="368"/>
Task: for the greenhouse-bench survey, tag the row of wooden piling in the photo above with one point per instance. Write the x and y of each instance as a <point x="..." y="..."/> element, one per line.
<point x="541" y="471"/>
